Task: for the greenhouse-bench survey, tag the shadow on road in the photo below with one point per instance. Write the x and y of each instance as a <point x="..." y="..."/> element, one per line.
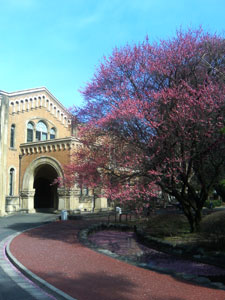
<point x="102" y="286"/>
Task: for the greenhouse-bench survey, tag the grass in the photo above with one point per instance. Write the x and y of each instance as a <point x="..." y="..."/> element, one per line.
<point x="167" y="225"/>
<point x="175" y="229"/>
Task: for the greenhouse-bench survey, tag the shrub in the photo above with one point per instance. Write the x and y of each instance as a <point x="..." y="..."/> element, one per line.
<point x="213" y="203"/>
<point x="167" y="225"/>
<point x="213" y="228"/>
<point x="218" y="202"/>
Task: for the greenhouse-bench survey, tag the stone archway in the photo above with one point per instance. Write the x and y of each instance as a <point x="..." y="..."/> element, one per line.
<point x="37" y="191"/>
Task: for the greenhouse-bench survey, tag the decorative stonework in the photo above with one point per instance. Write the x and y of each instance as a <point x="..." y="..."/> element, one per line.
<point x="26" y="104"/>
<point x="12" y="204"/>
<point x="28" y="100"/>
<point x="49" y="146"/>
<point x="27" y="199"/>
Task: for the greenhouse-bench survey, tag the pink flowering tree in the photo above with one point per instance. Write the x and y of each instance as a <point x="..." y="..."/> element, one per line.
<point x="153" y="121"/>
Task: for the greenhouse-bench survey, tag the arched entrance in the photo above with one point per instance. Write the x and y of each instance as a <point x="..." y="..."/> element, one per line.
<point x="37" y="190"/>
<point x="45" y="193"/>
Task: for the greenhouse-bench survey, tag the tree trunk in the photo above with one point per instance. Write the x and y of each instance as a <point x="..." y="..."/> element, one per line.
<point x="190" y="218"/>
<point x="197" y="219"/>
<point x="194" y="219"/>
<point x="194" y="216"/>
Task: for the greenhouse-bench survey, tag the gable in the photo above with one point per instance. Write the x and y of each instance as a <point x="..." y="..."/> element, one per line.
<point x="30" y="100"/>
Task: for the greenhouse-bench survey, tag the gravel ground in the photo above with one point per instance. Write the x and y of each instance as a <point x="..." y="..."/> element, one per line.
<point x="54" y="253"/>
<point x="126" y="244"/>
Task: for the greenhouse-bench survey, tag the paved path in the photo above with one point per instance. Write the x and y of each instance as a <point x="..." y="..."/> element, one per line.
<point x="54" y="253"/>
<point x="13" y="285"/>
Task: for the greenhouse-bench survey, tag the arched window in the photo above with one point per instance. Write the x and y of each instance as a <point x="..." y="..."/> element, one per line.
<point x="41" y="131"/>
<point x="30" y="132"/>
<point x="52" y="133"/>
<point x="12" y="136"/>
<point x="11" y="181"/>
<point x="86" y="191"/>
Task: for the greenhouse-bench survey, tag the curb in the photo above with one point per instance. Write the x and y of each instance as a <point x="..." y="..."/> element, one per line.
<point x="30" y="275"/>
<point x="83" y="238"/>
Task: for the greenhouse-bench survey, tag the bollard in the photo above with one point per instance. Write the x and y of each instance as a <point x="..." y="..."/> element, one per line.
<point x="64" y="215"/>
<point x="118" y="210"/>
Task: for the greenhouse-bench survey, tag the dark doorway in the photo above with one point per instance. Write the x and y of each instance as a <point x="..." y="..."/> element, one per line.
<point x="45" y="193"/>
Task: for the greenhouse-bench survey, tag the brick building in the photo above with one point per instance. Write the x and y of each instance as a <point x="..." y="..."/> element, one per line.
<point x="36" y="140"/>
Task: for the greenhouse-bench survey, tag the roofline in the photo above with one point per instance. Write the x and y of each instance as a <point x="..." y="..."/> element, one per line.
<point x="33" y="90"/>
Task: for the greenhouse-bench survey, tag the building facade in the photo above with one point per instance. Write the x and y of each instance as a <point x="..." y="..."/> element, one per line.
<point x="36" y="140"/>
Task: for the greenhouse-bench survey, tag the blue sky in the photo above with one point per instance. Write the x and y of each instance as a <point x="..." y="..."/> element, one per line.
<point x="59" y="43"/>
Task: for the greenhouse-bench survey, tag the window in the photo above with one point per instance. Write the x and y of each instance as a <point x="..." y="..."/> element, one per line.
<point x="11" y="180"/>
<point x="30" y="132"/>
<point x="52" y="134"/>
<point x="41" y="131"/>
<point x="86" y="191"/>
<point x="12" y="136"/>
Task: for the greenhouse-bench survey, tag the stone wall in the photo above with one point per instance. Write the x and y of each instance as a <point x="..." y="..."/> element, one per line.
<point x="4" y="113"/>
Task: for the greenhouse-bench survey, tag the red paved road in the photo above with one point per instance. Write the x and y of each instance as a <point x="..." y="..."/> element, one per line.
<point x="54" y="253"/>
